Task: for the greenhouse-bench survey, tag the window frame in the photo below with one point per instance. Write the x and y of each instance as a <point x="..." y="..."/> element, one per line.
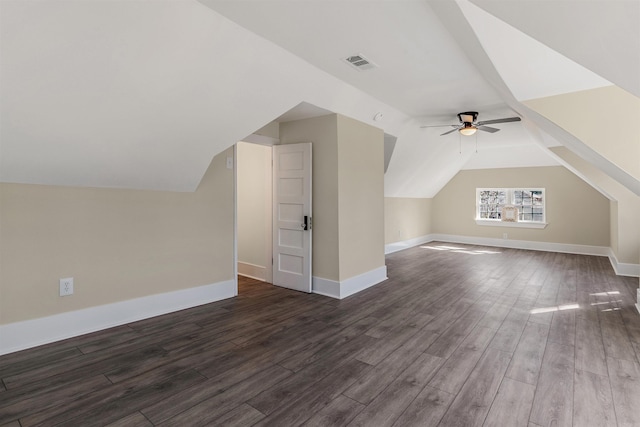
<point x="510" y="201"/>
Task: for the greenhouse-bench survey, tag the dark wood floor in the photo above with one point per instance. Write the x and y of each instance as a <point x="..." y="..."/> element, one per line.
<point x="458" y="336"/>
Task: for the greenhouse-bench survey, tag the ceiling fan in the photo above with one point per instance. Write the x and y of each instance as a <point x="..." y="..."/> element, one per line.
<point x="469" y="124"/>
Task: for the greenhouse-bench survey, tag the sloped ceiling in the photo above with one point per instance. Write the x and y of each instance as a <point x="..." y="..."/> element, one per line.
<point x="562" y="98"/>
<point x="529" y="68"/>
<point x="421" y="69"/>
<point x="142" y="95"/>
<point x="603" y="36"/>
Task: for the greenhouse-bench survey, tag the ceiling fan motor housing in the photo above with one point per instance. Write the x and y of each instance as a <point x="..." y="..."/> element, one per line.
<point x="468" y="117"/>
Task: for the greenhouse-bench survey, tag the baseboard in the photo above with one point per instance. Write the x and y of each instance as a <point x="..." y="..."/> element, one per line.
<point x="524" y="244"/>
<point x="31" y="333"/>
<point x="623" y="269"/>
<point x="326" y="287"/>
<point x="362" y="281"/>
<point x="252" y="271"/>
<point x="406" y="244"/>
<point x="350" y="286"/>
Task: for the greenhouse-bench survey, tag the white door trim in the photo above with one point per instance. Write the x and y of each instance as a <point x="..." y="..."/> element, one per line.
<point x="268" y="216"/>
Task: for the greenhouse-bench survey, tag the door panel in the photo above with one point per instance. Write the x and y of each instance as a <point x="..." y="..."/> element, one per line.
<point x="291" y="203"/>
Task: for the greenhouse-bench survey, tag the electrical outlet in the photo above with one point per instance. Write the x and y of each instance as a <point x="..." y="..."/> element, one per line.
<point x="229" y="162"/>
<point x="505" y="236"/>
<point x="66" y="286"/>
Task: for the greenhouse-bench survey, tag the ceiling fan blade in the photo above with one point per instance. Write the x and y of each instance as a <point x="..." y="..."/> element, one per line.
<point x="488" y="129"/>
<point x="505" y="120"/>
<point x="448" y="132"/>
<point x="436" y="126"/>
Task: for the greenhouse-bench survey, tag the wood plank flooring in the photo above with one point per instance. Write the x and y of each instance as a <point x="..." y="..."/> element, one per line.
<point x="459" y="335"/>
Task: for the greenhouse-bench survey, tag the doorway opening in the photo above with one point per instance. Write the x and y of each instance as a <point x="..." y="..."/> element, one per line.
<point x="273" y="193"/>
<point x="254" y="207"/>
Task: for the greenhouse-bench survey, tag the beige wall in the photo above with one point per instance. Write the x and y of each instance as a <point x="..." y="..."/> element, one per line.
<point x="117" y="244"/>
<point x="625" y="224"/>
<point x="254" y="203"/>
<point x="406" y="218"/>
<point x="348" y="193"/>
<point x="361" y="197"/>
<point x="628" y="229"/>
<point x="575" y="212"/>
<point x="594" y="116"/>
<point x="323" y="133"/>
<point x="272" y="130"/>
<point x="613" y="226"/>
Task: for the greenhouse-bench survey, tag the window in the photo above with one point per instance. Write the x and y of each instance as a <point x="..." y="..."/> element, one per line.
<point x="530" y="203"/>
<point x="490" y="203"/>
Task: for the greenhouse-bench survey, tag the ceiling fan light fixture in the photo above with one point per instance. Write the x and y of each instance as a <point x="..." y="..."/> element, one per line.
<point x="469" y="124"/>
<point x="468" y="129"/>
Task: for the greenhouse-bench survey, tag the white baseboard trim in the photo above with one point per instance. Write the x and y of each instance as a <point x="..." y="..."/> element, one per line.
<point x="350" y="286"/>
<point x="326" y="287"/>
<point x="623" y="269"/>
<point x="406" y="244"/>
<point x="31" y="333"/>
<point x="524" y="244"/>
<point x="362" y="281"/>
<point x="252" y="271"/>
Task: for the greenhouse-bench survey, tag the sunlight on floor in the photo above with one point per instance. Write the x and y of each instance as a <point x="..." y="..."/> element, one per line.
<point x="612" y="302"/>
<point x="556" y="308"/>
<point x="604" y="294"/>
<point x="460" y="250"/>
<point x="606" y="302"/>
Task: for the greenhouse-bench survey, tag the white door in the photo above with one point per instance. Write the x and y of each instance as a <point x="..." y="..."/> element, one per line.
<point x="292" y="216"/>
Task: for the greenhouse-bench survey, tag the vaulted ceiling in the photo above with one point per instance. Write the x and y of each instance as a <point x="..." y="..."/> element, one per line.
<point x="133" y="94"/>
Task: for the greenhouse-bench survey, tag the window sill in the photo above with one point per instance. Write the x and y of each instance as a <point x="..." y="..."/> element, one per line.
<point x="493" y="223"/>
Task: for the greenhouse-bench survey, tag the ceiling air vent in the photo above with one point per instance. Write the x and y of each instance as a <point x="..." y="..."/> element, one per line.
<point x="360" y="63"/>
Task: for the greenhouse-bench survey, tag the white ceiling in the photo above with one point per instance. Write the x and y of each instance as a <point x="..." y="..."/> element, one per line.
<point x="421" y="69"/>
<point x="601" y="35"/>
<point x="529" y="68"/>
<point x="135" y="94"/>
